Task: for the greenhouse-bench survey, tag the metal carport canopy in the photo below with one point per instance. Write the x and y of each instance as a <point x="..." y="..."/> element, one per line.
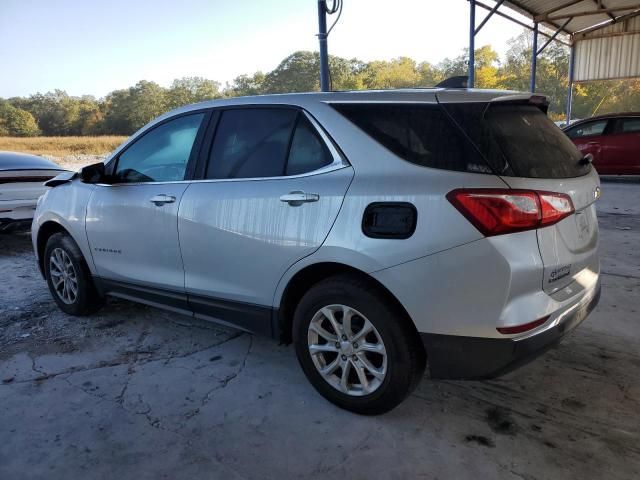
<point x="604" y="35"/>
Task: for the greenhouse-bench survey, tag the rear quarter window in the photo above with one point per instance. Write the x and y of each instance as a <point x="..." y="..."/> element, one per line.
<point x="419" y="133"/>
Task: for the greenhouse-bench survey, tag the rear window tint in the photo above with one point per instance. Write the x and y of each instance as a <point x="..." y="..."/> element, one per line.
<point x="532" y="144"/>
<point x="421" y="134"/>
<point x="519" y="140"/>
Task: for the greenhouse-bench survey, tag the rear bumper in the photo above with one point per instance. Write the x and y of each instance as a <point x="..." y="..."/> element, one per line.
<point x="459" y="357"/>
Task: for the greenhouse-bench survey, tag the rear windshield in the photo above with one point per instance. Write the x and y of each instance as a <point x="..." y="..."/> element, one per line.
<point x="507" y="139"/>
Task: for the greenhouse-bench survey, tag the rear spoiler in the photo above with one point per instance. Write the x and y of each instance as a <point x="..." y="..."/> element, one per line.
<point x="492" y="97"/>
<point x="461" y="81"/>
<point x="64" y="177"/>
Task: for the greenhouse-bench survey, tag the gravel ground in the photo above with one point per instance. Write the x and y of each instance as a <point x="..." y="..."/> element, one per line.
<point x="134" y="392"/>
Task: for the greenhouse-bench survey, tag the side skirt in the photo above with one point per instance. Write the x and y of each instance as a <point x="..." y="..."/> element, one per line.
<point x="251" y="318"/>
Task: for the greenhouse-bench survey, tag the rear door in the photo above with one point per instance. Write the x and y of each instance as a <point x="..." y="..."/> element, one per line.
<point x="269" y="194"/>
<point x="622" y="147"/>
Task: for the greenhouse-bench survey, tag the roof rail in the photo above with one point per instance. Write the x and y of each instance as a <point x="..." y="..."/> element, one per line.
<point x="454" y="82"/>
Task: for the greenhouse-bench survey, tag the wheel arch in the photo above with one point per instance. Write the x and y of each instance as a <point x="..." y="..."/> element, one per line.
<point x="45" y="231"/>
<point x="308" y="276"/>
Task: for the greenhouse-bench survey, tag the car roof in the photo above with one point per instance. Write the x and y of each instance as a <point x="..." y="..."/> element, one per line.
<point x="25" y="161"/>
<point x="395" y="95"/>
<point x="606" y="116"/>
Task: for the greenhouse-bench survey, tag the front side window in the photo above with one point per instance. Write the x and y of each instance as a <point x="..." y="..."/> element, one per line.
<point x="161" y="155"/>
<point x="589" y="129"/>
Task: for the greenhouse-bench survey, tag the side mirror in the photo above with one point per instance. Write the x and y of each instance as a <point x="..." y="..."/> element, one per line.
<point x="92" y="173"/>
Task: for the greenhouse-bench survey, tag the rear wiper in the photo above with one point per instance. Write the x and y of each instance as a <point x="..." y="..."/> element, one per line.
<point x="587" y="159"/>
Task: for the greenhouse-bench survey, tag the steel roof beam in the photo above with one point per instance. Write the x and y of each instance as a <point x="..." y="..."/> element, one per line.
<point x="564" y="5"/>
<point x="534" y="14"/>
<point x="552" y="38"/>
<point x="600" y="11"/>
<point x="516" y="21"/>
<point x="489" y="15"/>
<point x="582" y="34"/>
<point x="602" y="5"/>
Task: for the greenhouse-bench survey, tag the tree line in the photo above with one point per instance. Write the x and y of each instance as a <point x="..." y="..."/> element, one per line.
<point x="122" y="112"/>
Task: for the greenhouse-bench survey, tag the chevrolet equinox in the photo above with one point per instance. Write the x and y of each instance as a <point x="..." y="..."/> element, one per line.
<point x="380" y="232"/>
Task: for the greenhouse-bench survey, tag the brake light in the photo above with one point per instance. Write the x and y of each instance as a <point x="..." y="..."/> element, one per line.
<point x="525" y="327"/>
<point x="499" y="211"/>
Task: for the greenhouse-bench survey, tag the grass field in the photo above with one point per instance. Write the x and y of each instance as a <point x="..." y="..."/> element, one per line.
<point x="61" y="146"/>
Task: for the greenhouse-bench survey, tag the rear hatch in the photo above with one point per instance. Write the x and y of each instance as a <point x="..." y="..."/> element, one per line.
<point x="530" y="152"/>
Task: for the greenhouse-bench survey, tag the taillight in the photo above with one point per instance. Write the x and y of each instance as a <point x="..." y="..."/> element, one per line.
<point x="499" y="211"/>
<point x="555" y="207"/>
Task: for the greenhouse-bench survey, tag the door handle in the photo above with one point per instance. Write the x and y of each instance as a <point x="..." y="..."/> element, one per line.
<point x="297" y="198"/>
<point x="161" y="199"/>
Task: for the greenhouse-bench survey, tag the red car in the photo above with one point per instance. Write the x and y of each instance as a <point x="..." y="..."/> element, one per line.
<point x="613" y="140"/>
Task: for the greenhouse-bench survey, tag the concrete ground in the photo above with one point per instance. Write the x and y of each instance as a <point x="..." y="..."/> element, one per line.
<point x="135" y="393"/>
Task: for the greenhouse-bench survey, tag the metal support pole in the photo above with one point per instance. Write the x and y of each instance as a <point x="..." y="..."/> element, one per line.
<point x="322" y="38"/>
<point x="570" y="93"/>
<point x="534" y="57"/>
<point x="472" y="42"/>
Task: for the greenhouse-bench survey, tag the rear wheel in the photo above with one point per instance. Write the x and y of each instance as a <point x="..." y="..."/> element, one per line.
<point x="355" y="348"/>
<point x="68" y="276"/>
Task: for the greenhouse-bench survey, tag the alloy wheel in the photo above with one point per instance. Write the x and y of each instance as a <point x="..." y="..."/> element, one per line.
<point x="63" y="276"/>
<point x="347" y="350"/>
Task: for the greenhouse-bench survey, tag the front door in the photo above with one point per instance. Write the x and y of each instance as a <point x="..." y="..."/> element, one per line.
<point x="132" y="221"/>
<point x="272" y="190"/>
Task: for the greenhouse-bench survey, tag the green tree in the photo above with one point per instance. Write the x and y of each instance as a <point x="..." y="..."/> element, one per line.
<point x="245" y="85"/>
<point x="299" y="72"/>
<point x="16" y="122"/>
<point x="401" y="72"/>
<point x="187" y="90"/>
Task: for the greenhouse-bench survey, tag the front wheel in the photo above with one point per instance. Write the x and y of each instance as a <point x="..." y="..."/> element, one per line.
<point x="357" y="350"/>
<point x="68" y="276"/>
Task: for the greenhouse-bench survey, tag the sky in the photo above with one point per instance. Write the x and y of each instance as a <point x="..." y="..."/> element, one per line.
<point x="96" y="46"/>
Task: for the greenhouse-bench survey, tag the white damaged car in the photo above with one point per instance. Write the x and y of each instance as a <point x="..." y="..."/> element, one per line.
<point x="22" y="178"/>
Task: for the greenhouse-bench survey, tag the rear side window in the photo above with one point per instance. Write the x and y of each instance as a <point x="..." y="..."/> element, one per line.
<point x="630" y="125"/>
<point x="308" y="151"/>
<point x="251" y="143"/>
<point x="265" y="142"/>
<point x="418" y="133"/>
<point x="589" y="129"/>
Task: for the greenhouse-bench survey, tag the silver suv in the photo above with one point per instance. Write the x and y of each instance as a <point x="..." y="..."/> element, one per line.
<point x="379" y="231"/>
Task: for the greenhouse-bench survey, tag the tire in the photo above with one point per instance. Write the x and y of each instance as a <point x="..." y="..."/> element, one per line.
<point x="391" y="379"/>
<point x="68" y="261"/>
